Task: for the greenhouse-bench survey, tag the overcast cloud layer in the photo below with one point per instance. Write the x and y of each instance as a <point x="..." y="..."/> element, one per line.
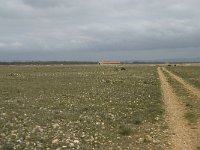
<point x="99" y="29"/>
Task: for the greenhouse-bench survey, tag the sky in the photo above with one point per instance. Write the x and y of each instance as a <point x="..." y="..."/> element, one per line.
<point x="99" y="30"/>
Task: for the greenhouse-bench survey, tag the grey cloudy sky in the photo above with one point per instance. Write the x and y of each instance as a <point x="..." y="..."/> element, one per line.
<point x="99" y="29"/>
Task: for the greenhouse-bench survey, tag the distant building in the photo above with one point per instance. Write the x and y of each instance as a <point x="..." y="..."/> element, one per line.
<point x="109" y="62"/>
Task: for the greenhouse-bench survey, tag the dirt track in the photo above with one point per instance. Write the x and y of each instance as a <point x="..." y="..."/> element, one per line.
<point x="182" y="135"/>
<point x="186" y="85"/>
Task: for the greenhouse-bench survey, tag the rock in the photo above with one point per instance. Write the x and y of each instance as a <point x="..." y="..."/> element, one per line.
<point x="148" y="138"/>
<point x="56" y="125"/>
<point x="37" y="129"/>
<point x="156" y="141"/>
<point x="71" y="144"/>
<point x="141" y="140"/>
<point x="76" y="141"/>
<point x="55" y="141"/>
<point x="83" y="135"/>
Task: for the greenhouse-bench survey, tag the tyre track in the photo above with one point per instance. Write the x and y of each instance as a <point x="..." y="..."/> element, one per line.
<point x="186" y="85"/>
<point x="181" y="134"/>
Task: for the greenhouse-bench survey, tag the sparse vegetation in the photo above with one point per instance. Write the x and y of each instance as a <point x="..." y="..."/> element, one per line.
<point x="191" y="116"/>
<point x="191" y="102"/>
<point x="188" y="73"/>
<point x="80" y="107"/>
<point x="125" y="130"/>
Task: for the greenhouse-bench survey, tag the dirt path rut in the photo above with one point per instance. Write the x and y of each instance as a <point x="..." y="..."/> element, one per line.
<point x="186" y="85"/>
<point x="182" y="138"/>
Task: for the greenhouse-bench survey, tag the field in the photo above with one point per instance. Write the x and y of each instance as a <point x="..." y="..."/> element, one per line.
<point x="192" y="75"/>
<point x="90" y="106"/>
<point x="189" y="73"/>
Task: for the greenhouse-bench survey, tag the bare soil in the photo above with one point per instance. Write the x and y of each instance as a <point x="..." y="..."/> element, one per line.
<point x="182" y="136"/>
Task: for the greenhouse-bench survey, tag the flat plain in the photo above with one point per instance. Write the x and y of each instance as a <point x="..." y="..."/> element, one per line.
<point x="184" y="81"/>
<point x="81" y="107"/>
<point x="86" y="107"/>
<point x="191" y="74"/>
<point x="188" y="73"/>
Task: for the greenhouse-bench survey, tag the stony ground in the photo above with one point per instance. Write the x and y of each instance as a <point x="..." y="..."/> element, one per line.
<point x="81" y="107"/>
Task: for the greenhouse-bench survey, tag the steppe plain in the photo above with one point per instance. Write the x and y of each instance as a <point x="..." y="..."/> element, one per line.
<point x="138" y="107"/>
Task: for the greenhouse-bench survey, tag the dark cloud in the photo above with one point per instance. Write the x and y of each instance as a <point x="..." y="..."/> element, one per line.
<point x="121" y="29"/>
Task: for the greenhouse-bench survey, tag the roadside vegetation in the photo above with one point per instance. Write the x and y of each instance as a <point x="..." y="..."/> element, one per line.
<point x="81" y="107"/>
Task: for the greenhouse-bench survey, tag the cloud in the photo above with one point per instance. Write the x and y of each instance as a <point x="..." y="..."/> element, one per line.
<point x="2" y="45"/>
<point x="120" y="27"/>
<point x="43" y="3"/>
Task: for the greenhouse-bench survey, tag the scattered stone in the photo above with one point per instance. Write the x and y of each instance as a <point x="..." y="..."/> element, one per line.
<point x="156" y="141"/>
<point x="76" y="141"/>
<point x="56" y="125"/>
<point x="37" y="129"/>
<point x="148" y="138"/>
<point x="141" y="140"/>
<point x="55" y="141"/>
<point x="83" y="135"/>
<point x="71" y="144"/>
